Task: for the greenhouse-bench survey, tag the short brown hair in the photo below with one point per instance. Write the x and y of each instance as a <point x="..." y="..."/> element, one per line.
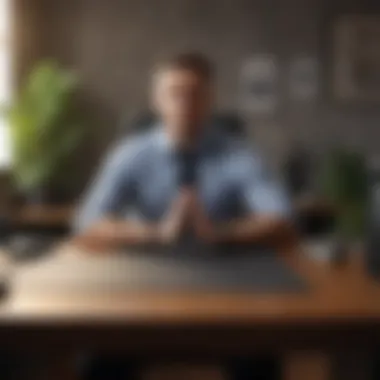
<point x="194" y="62"/>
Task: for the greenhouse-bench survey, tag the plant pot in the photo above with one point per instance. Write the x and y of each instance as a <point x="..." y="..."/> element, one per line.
<point x="342" y="251"/>
<point x="330" y="249"/>
<point x="36" y="197"/>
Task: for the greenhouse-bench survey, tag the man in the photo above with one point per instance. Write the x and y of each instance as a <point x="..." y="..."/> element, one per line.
<point x="184" y="177"/>
<point x="186" y="174"/>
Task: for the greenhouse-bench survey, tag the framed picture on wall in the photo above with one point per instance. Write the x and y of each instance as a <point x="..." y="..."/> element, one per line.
<point x="356" y="58"/>
<point x="259" y="80"/>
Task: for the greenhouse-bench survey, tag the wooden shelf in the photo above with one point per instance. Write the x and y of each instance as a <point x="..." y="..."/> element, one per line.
<point x="44" y="215"/>
<point x="61" y="216"/>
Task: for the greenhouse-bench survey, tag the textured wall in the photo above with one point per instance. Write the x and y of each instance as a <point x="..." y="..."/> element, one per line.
<point x="113" y="43"/>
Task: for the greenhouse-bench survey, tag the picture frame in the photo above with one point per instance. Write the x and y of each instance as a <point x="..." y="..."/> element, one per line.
<point x="356" y="58"/>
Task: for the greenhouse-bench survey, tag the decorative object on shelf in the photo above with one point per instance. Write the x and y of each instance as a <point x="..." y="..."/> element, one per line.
<point x="259" y="81"/>
<point x="356" y="58"/>
<point x="344" y="182"/>
<point x="45" y="130"/>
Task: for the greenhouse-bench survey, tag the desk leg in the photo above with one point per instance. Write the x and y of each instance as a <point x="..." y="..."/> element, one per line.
<point x="184" y="372"/>
<point x="61" y="367"/>
<point x="353" y="365"/>
<point x="310" y="365"/>
<point x="301" y="365"/>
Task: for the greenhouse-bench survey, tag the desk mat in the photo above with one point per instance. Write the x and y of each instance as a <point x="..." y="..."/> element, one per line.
<point x="153" y="269"/>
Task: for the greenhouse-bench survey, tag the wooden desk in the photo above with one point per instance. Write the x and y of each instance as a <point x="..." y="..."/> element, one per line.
<point x="339" y="317"/>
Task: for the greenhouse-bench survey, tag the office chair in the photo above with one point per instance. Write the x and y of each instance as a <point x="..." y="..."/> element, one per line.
<point x="227" y="121"/>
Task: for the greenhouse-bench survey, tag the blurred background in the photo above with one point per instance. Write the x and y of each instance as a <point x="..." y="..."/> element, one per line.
<point x="323" y="55"/>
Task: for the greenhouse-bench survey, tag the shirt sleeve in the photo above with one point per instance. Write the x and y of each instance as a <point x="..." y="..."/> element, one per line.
<point x="111" y="190"/>
<point x="262" y="193"/>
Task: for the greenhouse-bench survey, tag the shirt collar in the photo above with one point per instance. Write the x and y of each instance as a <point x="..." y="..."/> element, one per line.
<point x="207" y="138"/>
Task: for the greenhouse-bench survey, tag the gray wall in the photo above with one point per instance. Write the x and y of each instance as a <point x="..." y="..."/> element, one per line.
<point x="113" y="43"/>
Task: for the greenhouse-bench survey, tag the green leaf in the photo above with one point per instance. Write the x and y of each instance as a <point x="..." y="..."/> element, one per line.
<point x="344" y="182"/>
<point x="42" y="124"/>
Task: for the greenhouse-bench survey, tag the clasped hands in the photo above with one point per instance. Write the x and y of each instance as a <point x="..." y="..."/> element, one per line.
<point x="186" y="212"/>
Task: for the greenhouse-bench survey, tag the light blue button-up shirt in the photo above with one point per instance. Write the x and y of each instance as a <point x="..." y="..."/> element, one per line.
<point x="138" y="179"/>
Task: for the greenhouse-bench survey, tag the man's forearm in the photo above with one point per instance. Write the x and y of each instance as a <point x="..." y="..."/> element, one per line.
<point x="113" y="232"/>
<point x="255" y="229"/>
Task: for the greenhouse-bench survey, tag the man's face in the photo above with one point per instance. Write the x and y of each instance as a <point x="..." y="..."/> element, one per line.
<point x="183" y="100"/>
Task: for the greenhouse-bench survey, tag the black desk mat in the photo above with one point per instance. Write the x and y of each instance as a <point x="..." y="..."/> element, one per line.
<point x="223" y="268"/>
<point x="158" y="269"/>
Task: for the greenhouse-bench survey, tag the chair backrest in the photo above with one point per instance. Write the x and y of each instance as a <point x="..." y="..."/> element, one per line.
<point x="229" y="122"/>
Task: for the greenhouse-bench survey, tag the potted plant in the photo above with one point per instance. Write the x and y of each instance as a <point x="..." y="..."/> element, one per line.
<point x="345" y="184"/>
<point x="45" y="129"/>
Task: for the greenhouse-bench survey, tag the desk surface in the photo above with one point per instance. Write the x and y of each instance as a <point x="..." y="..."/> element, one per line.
<point x="344" y="294"/>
